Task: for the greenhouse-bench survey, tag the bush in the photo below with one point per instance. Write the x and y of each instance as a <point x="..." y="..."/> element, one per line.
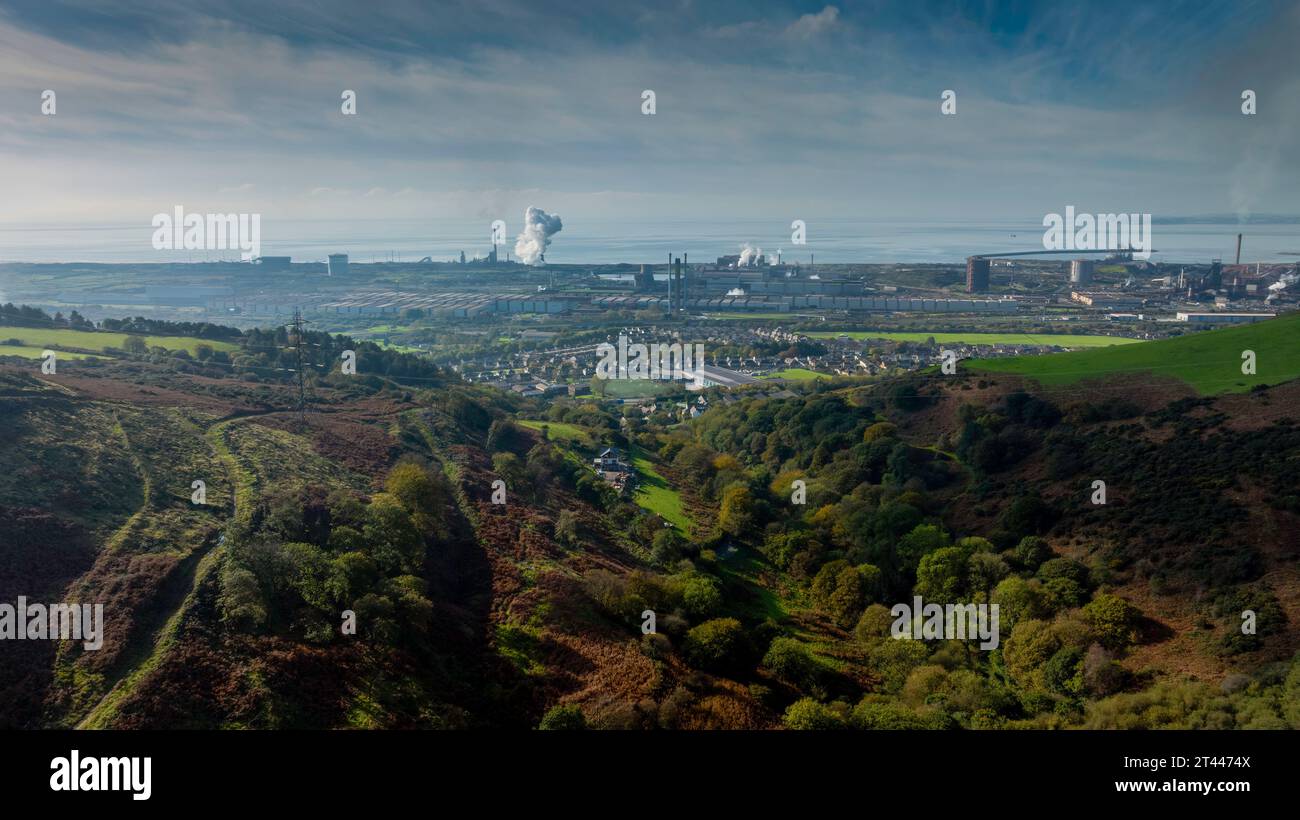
<point x="701" y="596"/>
<point x="808" y="714"/>
<point x="1113" y="620"/>
<point x="791" y="661"/>
<point x="1032" y="551"/>
<point x="718" y="646"/>
<point x="563" y="718"/>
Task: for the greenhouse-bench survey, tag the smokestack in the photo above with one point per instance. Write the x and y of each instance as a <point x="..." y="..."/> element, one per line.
<point x="677" y="277"/>
<point x="1238" y="249"/>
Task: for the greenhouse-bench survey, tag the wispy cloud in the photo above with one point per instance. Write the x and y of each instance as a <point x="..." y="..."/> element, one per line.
<point x="465" y="107"/>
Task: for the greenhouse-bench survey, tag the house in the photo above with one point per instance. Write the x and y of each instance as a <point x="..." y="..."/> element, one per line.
<point x="613" y="469"/>
<point x="610" y="460"/>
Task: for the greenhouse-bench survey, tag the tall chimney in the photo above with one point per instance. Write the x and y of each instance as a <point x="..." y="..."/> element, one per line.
<point x="677" y="275"/>
<point x="1238" y="249"/>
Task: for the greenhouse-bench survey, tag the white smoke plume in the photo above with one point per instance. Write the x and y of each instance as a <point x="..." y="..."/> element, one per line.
<point x="539" y="227"/>
<point x="1286" y="281"/>
<point x="748" y="255"/>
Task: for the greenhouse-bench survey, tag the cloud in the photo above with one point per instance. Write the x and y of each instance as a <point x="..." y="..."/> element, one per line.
<point x="753" y="118"/>
<point x="811" y="25"/>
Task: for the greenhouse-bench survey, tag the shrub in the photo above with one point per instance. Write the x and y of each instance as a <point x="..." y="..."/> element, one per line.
<point x="808" y="714"/>
<point x="718" y="646"/>
<point x="563" y="718"/>
<point x="791" y="661"/>
<point x="1112" y="619"/>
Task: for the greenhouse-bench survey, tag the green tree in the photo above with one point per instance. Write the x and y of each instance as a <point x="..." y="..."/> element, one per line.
<point x="941" y="575"/>
<point x="566" y="527"/>
<point x="718" y="646"/>
<point x="737" y="514"/>
<point x="791" y="661"/>
<point x="419" y="491"/>
<point x="1113" y="620"/>
<point x="923" y="539"/>
<point x="701" y="596"/>
<point x="564" y="719"/>
<point x="391" y="537"/>
<point x="808" y="714"/>
<point x="879" y="430"/>
<point x="1018" y="600"/>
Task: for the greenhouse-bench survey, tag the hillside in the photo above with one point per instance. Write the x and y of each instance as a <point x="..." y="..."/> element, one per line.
<point x="1209" y="361"/>
<point x="767" y="611"/>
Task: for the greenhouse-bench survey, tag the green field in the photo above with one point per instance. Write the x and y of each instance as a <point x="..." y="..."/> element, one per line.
<point x="797" y="374"/>
<point x="1210" y="361"/>
<point x="35" y="352"/>
<point x="637" y="388"/>
<point x="559" y="431"/>
<point x="96" y="340"/>
<point x="1061" y="339"/>
<point x="653" y="493"/>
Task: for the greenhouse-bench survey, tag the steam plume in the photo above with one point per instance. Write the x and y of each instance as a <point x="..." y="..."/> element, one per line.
<point x="539" y="227"/>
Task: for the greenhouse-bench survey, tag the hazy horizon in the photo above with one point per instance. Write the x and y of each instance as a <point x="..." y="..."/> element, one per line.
<point x="608" y="241"/>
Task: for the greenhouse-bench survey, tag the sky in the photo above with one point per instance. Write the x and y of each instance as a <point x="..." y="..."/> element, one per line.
<point x="763" y="109"/>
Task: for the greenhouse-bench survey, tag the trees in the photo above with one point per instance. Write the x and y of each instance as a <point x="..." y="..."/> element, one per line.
<point x="718" y="646"/>
<point x="1017" y="600"/>
<point x="791" y="661"/>
<point x="1032" y="551"/>
<point x="736" y="516"/>
<point x="701" y="596"/>
<point x="808" y="714"/>
<point x="986" y="570"/>
<point x="391" y="536"/>
<point x="879" y="430"/>
<point x="1113" y="620"/>
<point x="135" y="345"/>
<point x="941" y="575"/>
<point x="922" y="540"/>
<point x="566" y="527"/>
<point x="843" y="591"/>
<point x="503" y="435"/>
<point x="563" y="718"/>
<point x="421" y="493"/>
<point x="241" y="599"/>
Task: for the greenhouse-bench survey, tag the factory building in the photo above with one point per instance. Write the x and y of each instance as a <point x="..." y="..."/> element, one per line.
<point x="977" y="274"/>
<point x="770" y="304"/>
<point x="707" y="376"/>
<point x="1222" y="318"/>
<point x="1081" y="271"/>
<point x="338" y="264"/>
<point x="1106" y="300"/>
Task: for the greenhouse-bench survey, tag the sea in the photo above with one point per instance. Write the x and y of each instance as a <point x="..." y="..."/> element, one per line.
<point x="647" y="242"/>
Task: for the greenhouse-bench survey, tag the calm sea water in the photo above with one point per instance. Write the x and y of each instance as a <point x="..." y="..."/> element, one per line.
<point x="586" y="241"/>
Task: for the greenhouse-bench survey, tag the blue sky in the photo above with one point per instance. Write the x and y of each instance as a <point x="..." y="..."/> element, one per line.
<point x="764" y="109"/>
